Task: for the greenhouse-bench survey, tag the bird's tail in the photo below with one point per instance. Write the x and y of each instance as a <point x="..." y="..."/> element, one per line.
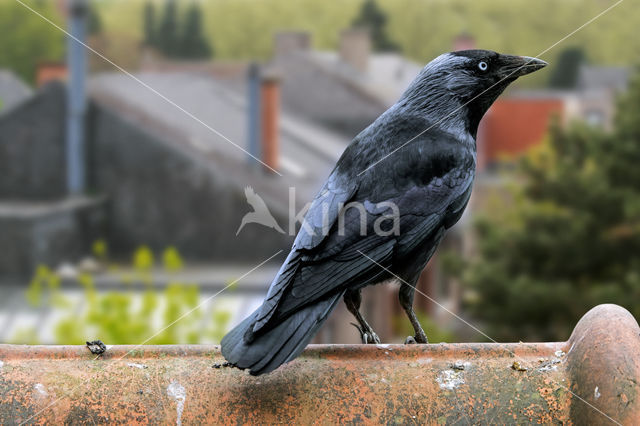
<point x="268" y="349"/>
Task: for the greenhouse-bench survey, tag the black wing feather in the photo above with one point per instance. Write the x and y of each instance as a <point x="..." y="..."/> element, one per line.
<point x="338" y="262"/>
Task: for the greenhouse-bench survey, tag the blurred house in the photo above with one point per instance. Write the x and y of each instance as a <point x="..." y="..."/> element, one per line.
<point x="155" y="177"/>
<point x="13" y="91"/>
<point x="517" y="122"/>
<point x="520" y="119"/>
<point x="345" y="89"/>
<point x="597" y="89"/>
<point x="168" y="179"/>
<point x="162" y="168"/>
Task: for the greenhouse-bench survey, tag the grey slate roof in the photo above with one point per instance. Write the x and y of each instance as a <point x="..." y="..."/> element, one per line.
<point x="387" y="75"/>
<point x="13" y="90"/>
<point x="322" y="87"/>
<point x="603" y="78"/>
<point x="307" y="151"/>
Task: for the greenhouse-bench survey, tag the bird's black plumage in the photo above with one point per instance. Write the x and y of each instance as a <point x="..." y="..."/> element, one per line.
<point x="418" y="157"/>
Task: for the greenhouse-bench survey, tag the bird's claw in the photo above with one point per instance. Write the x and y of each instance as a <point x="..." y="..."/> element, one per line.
<point x="368" y="336"/>
<point x="418" y="338"/>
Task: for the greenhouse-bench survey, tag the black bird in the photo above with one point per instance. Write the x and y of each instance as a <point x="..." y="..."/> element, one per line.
<point x="409" y="175"/>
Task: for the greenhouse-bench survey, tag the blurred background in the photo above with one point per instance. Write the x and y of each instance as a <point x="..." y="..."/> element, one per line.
<point x="124" y="165"/>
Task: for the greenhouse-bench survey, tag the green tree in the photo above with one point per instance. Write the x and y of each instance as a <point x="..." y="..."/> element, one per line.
<point x="94" y="22"/>
<point x="149" y="23"/>
<point x="243" y="29"/>
<point x="193" y="43"/>
<point x="167" y="35"/>
<point x="375" y="20"/>
<point x="568" y="237"/>
<point x="566" y="68"/>
<point x="27" y="40"/>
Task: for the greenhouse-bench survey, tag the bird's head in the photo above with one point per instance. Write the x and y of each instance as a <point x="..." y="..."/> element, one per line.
<point x="459" y="87"/>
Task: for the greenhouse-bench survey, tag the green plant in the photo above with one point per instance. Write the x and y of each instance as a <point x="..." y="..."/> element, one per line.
<point x="99" y="249"/>
<point x="26" y="336"/>
<point x="172" y="260"/>
<point x="170" y="316"/>
<point x="143" y="259"/>
<point x="44" y="279"/>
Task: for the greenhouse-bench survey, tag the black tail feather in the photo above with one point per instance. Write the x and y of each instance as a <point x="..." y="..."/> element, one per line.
<point x="281" y="343"/>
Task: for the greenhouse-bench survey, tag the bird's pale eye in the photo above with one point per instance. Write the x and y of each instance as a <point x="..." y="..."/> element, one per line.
<point x="483" y="66"/>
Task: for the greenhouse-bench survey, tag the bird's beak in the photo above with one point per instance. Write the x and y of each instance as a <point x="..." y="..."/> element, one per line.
<point x="516" y="66"/>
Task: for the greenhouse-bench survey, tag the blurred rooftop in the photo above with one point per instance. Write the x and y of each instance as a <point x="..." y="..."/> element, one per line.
<point x="13" y="90"/>
<point x="307" y="151"/>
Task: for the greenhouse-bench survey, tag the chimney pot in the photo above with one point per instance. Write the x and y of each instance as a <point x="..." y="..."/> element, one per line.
<point x="50" y="71"/>
<point x="464" y="41"/>
<point x="287" y="42"/>
<point x="355" y="48"/>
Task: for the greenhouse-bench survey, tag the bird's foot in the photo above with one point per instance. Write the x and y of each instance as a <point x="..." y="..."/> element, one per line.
<point x="418" y="338"/>
<point x="368" y="335"/>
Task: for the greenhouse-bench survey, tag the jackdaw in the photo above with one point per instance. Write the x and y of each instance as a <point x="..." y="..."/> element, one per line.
<point x="408" y="177"/>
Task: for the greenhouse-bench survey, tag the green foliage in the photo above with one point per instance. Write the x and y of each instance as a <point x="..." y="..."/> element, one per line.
<point x="44" y="279"/>
<point x="94" y="22"/>
<point x="244" y="29"/>
<point x="374" y="19"/>
<point x="167" y="33"/>
<point x="26" y="336"/>
<point x="565" y="73"/>
<point x="143" y="259"/>
<point x="175" y="37"/>
<point x="193" y="43"/>
<point x="26" y="39"/>
<point x="172" y="260"/>
<point x="99" y="249"/>
<point x="149" y="24"/>
<point x="114" y="317"/>
<point x="570" y="239"/>
<point x="172" y="316"/>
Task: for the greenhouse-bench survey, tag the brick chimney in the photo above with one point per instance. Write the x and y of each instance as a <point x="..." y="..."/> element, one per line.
<point x="287" y="42"/>
<point x="269" y="119"/>
<point x="464" y="41"/>
<point x="355" y="48"/>
<point x="51" y="71"/>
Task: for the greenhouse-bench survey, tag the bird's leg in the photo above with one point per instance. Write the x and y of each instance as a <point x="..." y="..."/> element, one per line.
<point x="353" y="298"/>
<point x="405" y="295"/>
